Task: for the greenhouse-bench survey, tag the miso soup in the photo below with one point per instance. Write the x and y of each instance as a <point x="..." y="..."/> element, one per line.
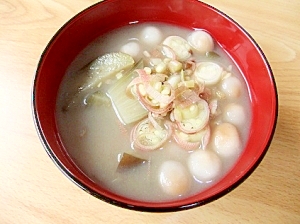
<point x="154" y="112"/>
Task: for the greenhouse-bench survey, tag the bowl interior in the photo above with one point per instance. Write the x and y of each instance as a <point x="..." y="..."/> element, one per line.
<point x="105" y="16"/>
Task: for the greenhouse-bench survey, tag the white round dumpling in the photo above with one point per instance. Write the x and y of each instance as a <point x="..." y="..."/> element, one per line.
<point x="226" y="140"/>
<point x="201" y="41"/>
<point x="151" y="35"/>
<point x="235" y="114"/>
<point x="232" y="87"/>
<point x="174" y="178"/>
<point x="204" y="165"/>
<point x="131" y="48"/>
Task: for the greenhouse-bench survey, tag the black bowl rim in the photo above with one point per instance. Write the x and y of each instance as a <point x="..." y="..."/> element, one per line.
<point x="67" y="173"/>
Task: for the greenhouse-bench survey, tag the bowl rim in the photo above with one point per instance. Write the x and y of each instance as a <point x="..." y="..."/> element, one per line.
<point x="111" y="201"/>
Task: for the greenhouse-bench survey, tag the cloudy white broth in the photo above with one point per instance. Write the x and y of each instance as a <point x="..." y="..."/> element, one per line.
<point x="154" y="112"/>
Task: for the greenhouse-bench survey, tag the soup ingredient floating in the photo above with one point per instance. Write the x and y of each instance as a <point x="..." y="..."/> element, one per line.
<point x="178" y="93"/>
<point x="204" y="165"/>
<point x="101" y="70"/>
<point x="150" y="134"/>
<point x="174" y="178"/>
<point x="129" y="161"/>
<point x="126" y="107"/>
<point x="105" y="67"/>
<point x="201" y="41"/>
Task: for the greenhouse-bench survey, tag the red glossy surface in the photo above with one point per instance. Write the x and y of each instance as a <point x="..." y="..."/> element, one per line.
<point x="102" y="17"/>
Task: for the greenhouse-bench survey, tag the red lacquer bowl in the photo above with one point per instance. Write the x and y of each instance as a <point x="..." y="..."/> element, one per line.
<point x="107" y="15"/>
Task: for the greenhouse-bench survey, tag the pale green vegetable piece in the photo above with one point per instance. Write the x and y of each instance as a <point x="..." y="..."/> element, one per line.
<point x="127" y="109"/>
<point x="106" y="66"/>
<point x="99" y="70"/>
<point x="97" y="98"/>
